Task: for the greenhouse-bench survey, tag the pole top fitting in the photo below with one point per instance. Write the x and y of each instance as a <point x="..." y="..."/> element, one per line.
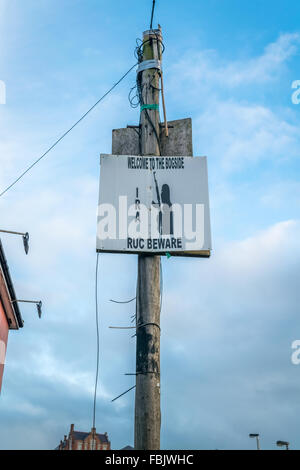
<point x="153" y="33"/>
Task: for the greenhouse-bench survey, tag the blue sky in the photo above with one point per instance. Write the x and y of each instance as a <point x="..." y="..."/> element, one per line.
<point x="227" y="323"/>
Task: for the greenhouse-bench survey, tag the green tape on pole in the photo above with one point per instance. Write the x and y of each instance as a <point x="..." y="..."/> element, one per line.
<point x="149" y="106"/>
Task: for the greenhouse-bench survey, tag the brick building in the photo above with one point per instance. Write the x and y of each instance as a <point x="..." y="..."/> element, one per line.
<point x="10" y="317"/>
<point x="78" y="440"/>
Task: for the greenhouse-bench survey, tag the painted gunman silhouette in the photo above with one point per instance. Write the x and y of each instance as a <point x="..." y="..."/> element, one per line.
<point x="163" y="203"/>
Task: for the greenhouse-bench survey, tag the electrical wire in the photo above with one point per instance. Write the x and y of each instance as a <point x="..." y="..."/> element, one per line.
<point x="126" y="302"/>
<point x="152" y="14"/>
<point x="136" y="100"/>
<point x="134" y="318"/>
<point x="98" y="341"/>
<point x="67" y="132"/>
<point x="122" y="394"/>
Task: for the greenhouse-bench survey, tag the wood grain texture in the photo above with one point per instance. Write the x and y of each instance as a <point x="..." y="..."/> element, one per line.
<point x="179" y="143"/>
<point x="147" y="396"/>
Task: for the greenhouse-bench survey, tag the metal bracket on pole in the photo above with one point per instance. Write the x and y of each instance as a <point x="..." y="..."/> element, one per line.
<point x="149" y="64"/>
<point x="156" y="33"/>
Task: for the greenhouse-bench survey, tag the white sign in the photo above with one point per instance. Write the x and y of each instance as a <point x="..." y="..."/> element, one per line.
<point x="154" y="205"/>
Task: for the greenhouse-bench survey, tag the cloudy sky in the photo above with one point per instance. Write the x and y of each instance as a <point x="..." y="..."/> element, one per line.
<point x="228" y="322"/>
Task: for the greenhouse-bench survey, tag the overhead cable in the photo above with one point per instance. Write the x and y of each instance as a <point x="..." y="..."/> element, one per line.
<point x="66" y="133"/>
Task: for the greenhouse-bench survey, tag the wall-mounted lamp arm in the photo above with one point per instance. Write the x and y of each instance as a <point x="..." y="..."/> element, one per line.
<point x="24" y="235"/>
<point x="38" y="303"/>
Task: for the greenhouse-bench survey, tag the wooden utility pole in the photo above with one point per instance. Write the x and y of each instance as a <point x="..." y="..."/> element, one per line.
<point x="147" y="398"/>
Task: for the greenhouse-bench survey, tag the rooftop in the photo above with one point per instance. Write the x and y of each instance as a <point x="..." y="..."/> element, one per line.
<point x="11" y="307"/>
<point x="81" y="436"/>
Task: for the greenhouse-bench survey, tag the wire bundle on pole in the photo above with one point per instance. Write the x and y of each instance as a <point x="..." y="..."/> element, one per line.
<point x="136" y="99"/>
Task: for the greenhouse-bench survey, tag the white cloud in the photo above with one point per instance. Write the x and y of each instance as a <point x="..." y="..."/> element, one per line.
<point x="242" y="135"/>
<point x="282" y="194"/>
<point x="242" y="280"/>
<point x="3" y="4"/>
<point x="231" y="128"/>
<point x="46" y="366"/>
<point x="240" y="313"/>
<point x="206" y="67"/>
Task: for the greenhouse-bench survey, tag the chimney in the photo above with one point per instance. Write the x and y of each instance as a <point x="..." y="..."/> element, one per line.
<point x="72" y="428"/>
